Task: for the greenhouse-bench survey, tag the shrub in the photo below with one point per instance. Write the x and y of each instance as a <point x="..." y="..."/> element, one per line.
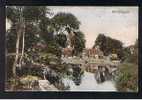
<point x="127" y="79"/>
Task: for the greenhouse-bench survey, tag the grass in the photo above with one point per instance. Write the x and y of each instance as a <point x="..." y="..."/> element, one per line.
<point x="127" y="79"/>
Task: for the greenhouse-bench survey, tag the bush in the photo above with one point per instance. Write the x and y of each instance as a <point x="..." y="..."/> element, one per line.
<point x="29" y="70"/>
<point x="21" y="83"/>
<point x="127" y="79"/>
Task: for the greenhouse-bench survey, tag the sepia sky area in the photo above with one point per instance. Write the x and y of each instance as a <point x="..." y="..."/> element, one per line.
<point x="117" y="22"/>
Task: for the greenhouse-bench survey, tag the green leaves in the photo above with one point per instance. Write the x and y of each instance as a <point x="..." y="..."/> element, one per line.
<point x="34" y="13"/>
<point x="109" y="45"/>
<point x="61" y="20"/>
<point x="12" y="13"/>
<point x="127" y="78"/>
<point x="41" y="45"/>
<point x="78" y="41"/>
<point x="69" y="23"/>
<point x="61" y="39"/>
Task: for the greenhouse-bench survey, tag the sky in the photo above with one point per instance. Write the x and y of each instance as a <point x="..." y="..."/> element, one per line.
<point x="118" y="22"/>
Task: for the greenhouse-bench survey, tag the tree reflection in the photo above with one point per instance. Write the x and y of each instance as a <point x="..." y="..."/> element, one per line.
<point x="77" y="74"/>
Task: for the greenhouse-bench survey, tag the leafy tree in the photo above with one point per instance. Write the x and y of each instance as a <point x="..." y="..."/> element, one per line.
<point x="78" y="41"/>
<point x="61" y="39"/>
<point x="20" y="26"/>
<point x="101" y="41"/>
<point x="32" y="36"/>
<point x="47" y="29"/>
<point x="109" y="45"/>
<point x="54" y="48"/>
<point x="22" y="18"/>
<point x="35" y="13"/>
<point x="65" y="21"/>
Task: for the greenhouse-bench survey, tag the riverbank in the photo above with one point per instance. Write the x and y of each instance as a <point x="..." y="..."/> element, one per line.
<point x="127" y="79"/>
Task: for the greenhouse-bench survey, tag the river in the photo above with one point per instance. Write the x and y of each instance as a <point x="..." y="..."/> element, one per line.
<point x="89" y="83"/>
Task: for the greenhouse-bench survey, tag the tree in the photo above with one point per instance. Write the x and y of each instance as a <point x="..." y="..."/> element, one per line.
<point x="65" y="22"/>
<point x="101" y="41"/>
<point x="20" y="30"/>
<point x="35" y="13"/>
<point x="78" y="41"/>
<point x="109" y="45"/>
<point x="61" y="39"/>
<point x="22" y="17"/>
<point x="46" y="29"/>
<point x="136" y="43"/>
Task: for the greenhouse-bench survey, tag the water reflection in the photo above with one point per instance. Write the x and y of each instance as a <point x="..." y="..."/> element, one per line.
<point x="89" y="83"/>
<point x="77" y="75"/>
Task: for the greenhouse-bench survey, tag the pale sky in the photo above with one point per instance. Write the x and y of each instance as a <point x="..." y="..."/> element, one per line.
<point x="117" y="22"/>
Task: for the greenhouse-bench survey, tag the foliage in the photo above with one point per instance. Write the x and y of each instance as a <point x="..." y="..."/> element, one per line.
<point x="78" y="41"/>
<point x="41" y="45"/>
<point x="13" y="84"/>
<point x="28" y="78"/>
<point x="30" y="70"/>
<point x="77" y="74"/>
<point x="48" y="58"/>
<point x="65" y="20"/>
<point x="10" y="36"/>
<point x="61" y="39"/>
<point x="32" y="15"/>
<point x="127" y="79"/>
<point x="31" y="31"/>
<point x="35" y="13"/>
<point x="12" y="13"/>
<point x="131" y="56"/>
<point x="46" y="29"/>
<point x="53" y="48"/>
<point x="21" y="83"/>
<point x="23" y="22"/>
<point x="109" y="45"/>
<point x="68" y="22"/>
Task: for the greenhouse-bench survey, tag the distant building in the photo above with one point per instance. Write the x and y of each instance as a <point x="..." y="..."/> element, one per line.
<point x="132" y="49"/>
<point x="94" y="52"/>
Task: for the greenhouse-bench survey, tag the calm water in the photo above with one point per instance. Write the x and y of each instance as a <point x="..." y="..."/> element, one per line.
<point x="89" y="83"/>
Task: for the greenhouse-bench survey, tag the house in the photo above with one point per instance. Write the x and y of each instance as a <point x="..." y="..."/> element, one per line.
<point x="132" y="49"/>
<point x="94" y="52"/>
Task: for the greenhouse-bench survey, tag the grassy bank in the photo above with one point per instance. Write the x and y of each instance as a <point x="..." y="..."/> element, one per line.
<point x="127" y="79"/>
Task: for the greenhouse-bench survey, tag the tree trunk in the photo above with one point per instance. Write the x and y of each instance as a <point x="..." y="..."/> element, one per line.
<point x="17" y="53"/>
<point x="23" y="46"/>
<point x="19" y="28"/>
